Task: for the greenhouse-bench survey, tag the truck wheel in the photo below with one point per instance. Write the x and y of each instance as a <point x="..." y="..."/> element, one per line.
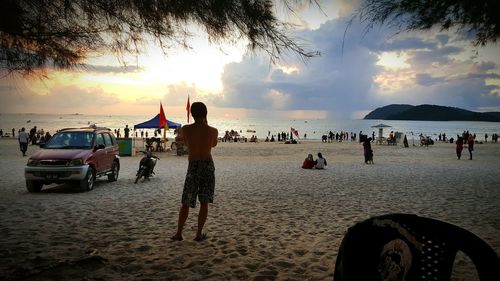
<point x="34" y="186"/>
<point x="115" y="169"/>
<point x="87" y="183"/>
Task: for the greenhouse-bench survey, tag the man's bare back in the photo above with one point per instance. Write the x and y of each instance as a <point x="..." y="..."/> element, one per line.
<point x="200" y="177"/>
<point x="199" y="138"/>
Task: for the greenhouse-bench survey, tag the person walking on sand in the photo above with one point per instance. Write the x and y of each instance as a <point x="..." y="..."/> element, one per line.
<point x="460" y="146"/>
<point x="470" y="144"/>
<point x="200" y="177"/>
<point x="23" y="141"/>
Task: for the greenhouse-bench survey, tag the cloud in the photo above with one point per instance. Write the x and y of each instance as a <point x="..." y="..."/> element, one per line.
<point x="348" y="78"/>
<point x="335" y="82"/>
<point x="427" y="80"/>
<point x="482" y="76"/>
<point x="60" y="99"/>
<point x="412" y="43"/>
<point x="343" y="79"/>
<point x="111" y="69"/>
<point x="485" y="66"/>
<point x="442" y="38"/>
<point x="6" y="88"/>
<point x="464" y="93"/>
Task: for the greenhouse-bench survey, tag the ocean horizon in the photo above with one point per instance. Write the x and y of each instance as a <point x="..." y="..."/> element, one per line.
<point x="312" y="128"/>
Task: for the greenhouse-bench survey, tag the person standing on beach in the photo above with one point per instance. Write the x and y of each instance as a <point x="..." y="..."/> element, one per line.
<point x="13" y="132"/>
<point x="126" y="130"/>
<point x="200" y="177"/>
<point x="23" y="141"/>
<point x="460" y="146"/>
<point x="367" y="150"/>
<point x="470" y="143"/>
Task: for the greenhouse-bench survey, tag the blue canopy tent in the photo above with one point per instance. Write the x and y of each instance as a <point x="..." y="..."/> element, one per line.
<point x="155" y="124"/>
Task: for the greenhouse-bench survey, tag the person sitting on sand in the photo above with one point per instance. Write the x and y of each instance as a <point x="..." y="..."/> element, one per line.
<point x="320" y="163"/>
<point x="308" y="162"/>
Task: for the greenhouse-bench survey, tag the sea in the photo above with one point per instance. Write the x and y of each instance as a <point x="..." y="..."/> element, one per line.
<point x="308" y="129"/>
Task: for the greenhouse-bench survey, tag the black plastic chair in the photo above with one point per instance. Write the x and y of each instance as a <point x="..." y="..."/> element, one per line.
<point x="410" y="247"/>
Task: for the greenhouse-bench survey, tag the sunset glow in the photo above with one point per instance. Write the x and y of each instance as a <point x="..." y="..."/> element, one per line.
<point x="355" y="73"/>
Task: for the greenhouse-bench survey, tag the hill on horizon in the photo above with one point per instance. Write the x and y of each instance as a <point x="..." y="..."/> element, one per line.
<point x="427" y="112"/>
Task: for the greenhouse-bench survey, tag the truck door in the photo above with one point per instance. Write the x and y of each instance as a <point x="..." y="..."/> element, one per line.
<point x="111" y="150"/>
<point x="100" y="155"/>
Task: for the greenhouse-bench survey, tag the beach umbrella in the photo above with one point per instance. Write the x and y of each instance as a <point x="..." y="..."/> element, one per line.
<point x="380" y="130"/>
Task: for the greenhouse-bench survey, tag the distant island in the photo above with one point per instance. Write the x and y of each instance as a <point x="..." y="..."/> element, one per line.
<point x="427" y="112"/>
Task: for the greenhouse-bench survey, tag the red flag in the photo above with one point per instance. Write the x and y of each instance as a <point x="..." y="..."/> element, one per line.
<point x="295" y="132"/>
<point x="188" y="109"/>
<point x="163" y="119"/>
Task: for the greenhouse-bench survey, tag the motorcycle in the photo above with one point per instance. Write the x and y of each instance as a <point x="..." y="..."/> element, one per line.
<point x="146" y="166"/>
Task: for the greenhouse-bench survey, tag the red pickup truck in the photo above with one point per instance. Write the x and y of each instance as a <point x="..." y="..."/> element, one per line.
<point x="74" y="155"/>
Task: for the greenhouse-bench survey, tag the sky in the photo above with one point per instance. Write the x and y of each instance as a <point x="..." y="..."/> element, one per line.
<point x="353" y="75"/>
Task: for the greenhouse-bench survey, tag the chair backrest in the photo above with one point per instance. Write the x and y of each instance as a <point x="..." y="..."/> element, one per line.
<point x="410" y="247"/>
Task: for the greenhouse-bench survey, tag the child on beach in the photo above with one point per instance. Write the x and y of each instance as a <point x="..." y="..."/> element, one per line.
<point x="320" y="163"/>
<point x="308" y="162"/>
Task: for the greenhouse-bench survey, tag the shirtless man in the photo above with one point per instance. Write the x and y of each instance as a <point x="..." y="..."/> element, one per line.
<point x="200" y="177"/>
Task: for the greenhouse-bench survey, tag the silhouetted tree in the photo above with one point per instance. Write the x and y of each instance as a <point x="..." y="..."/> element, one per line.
<point x="478" y="16"/>
<point x="35" y="34"/>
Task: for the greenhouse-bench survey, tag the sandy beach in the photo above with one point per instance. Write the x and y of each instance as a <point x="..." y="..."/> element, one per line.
<point x="271" y="220"/>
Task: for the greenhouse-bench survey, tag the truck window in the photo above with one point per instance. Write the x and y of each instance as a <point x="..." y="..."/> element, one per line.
<point x="107" y="140"/>
<point x="113" y="139"/>
<point x="100" y="140"/>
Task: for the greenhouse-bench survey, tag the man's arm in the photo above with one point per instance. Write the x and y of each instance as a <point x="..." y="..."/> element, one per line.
<point x="182" y="134"/>
<point x="214" y="137"/>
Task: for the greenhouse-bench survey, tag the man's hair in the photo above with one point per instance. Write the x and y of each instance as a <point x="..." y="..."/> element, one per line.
<point x="198" y="110"/>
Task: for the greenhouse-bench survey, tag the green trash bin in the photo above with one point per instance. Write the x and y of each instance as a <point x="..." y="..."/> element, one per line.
<point x="125" y="146"/>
